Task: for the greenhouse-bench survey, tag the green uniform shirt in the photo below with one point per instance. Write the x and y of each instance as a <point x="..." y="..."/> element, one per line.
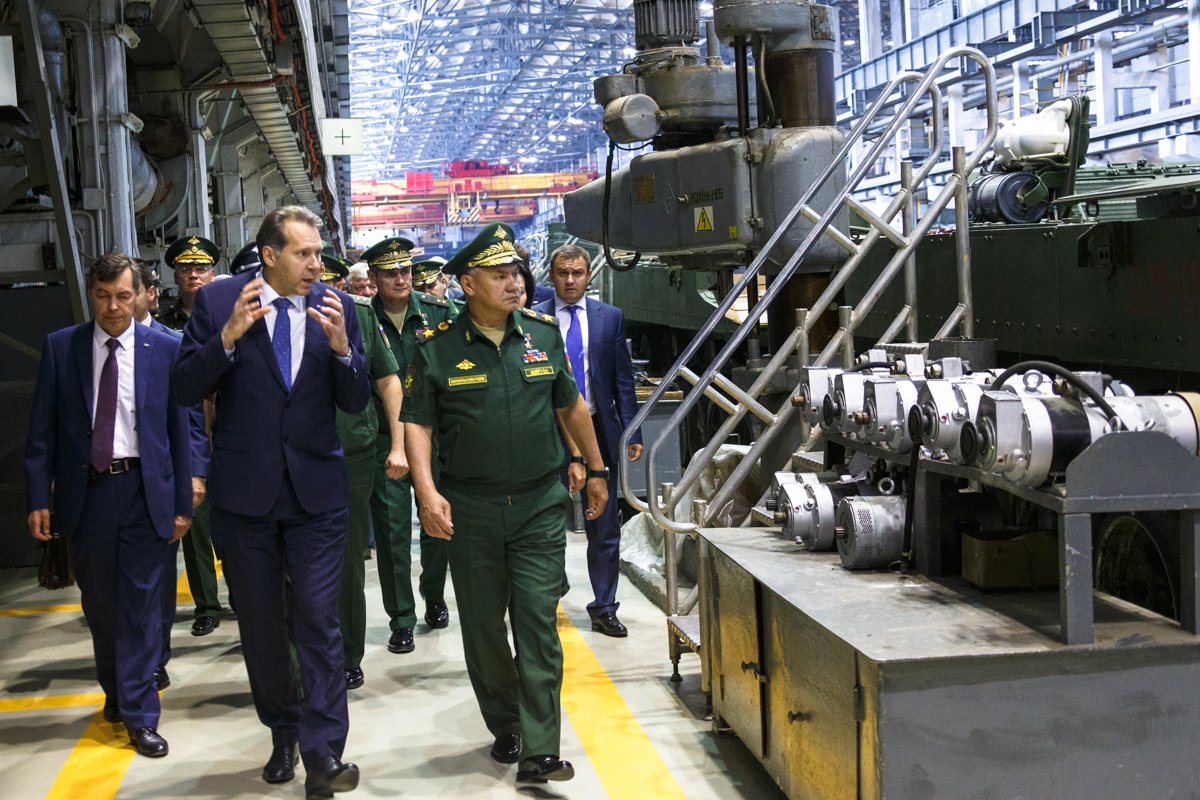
<point x="492" y="408"/>
<point x="358" y="431"/>
<point x="174" y="317"/>
<point x="424" y="313"/>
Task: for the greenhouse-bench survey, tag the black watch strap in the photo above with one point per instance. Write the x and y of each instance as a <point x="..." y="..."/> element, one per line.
<point x="578" y="460"/>
<point x="598" y="473"/>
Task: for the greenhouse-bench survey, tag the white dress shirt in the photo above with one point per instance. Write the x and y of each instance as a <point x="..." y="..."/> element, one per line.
<point x="296" y="322"/>
<point x="564" y="324"/>
<point x="125" y="441"/>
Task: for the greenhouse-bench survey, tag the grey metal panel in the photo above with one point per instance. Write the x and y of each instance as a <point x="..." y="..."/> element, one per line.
<point x="739" y="702"/>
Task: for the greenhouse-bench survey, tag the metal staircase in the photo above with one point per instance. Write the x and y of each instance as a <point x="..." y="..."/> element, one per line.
<point x="890" y="112"/>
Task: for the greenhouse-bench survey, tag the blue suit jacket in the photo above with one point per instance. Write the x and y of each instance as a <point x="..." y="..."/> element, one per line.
<point x="260" y="429"/>
<point x="610" y="379"/>
<point x="197" y="429"/>
<point x="59" y="446"/>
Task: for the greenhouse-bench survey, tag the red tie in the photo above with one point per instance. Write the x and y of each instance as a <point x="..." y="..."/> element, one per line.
<point x="105" y="425"/>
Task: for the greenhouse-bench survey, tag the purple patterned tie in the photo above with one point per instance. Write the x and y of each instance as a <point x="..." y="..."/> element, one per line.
<point x="281" y="341"/>
<point x="105" y="424"/>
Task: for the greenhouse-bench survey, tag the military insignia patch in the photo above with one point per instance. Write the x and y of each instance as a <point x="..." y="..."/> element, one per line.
<point x="532" y="355"/>
<point x="443" y="326"/>
<point x="425" y="333"/>
<point x="409" y="377"/>
<point x="537" y="372"/>
<point x="383" y="335"/>
<point x="467" y="380"/>
<point x="465" y="364"/>
<point x="548" y="318"/>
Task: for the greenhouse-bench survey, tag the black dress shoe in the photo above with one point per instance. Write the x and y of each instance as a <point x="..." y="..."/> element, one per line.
<point x="281" y="766"/>
<point x="204" y="625"/>
<point x="401" y="641"/>
<point x="148" y="742"/>
<point x="354" y="677"/>
<point x="507" y="748"/>
<point x="539" y="769"/>
<point x="161" y="679"/>
<point x="566" y="587"/>
<point x="328" y="776"/>
<point x="437" y="615"/>
<point x="608" y="624"/>
<point x="112" y="714"/>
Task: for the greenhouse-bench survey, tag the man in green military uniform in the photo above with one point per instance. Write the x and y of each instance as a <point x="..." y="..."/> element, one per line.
<point x="194" y="259"/>
<point x="358" y="433"/>
<point x="429" y="278"/>
<point x="489" y="385"/>
<point x="404" y="315"/>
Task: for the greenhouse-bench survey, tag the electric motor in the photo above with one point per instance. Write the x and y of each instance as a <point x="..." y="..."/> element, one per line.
<point x="870" y="531"/>
<point x="809" y="506"/>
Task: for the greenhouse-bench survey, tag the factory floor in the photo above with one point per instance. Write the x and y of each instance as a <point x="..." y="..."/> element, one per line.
<point x="415" y="730"/>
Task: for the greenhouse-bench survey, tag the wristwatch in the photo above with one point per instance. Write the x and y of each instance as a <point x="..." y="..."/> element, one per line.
<point x="578" y="460"/>
<point x="598" y="473"/>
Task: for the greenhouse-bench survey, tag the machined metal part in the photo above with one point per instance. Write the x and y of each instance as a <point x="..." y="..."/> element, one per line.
<point x="844" y="409"/>
<point x="809" y="505"/>
<point x="870" y="531"/>
<point x="816" y="383"/>
<point x="887" y="402"/>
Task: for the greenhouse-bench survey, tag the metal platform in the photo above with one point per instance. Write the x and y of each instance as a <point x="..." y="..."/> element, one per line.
<point x="683" y="635"/>
<point x="864" y="685"/>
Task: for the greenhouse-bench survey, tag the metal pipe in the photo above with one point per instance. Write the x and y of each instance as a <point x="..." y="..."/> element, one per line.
<point x="893" y="330"/>
<point x="910" y="266"/>
<point x="714" y="44"/>
<point x="845" y="313"/>
<point x="94" y="122"/>
<point x="670" y="565"/>
<point x="962" y="241"/>
<point x="952" y="321"/>
<point x="741" y="77"/>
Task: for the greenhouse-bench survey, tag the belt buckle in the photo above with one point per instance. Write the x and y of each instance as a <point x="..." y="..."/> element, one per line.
<point x="120" y="466"/>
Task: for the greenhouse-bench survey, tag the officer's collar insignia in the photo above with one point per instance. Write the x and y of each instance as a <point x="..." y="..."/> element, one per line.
<point x="465" y="364"/>
<point x="427" y="334"/>
<point x="443" y="326"/>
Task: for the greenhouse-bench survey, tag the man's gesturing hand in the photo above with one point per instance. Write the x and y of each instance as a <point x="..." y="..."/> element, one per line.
<point x="246" y="311"/>
<point x="331" y="319"/>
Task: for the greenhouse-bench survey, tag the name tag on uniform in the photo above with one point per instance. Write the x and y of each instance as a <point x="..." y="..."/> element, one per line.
<point x="537" y="372"/>
<point x="466" y="380"/>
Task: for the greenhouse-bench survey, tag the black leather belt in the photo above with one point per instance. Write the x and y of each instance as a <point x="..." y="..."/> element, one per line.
<point x="117" y="467"/>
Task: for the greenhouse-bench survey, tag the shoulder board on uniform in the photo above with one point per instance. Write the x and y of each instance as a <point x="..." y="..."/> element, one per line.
<point x="435" y="331"/>
<point x="539" y="316"/>
<point x="362" y="301"/>
<point x="432" y="299"/>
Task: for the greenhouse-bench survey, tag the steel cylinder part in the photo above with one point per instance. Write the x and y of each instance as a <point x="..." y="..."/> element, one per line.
<point x="870" y="531"/>
<point x="809" y="507"/>
<point x="665" y="23"/>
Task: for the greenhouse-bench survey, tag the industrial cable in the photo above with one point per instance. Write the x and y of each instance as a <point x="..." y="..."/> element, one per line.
<point x="1067" y="375"/>
<point x="612" y="263"/>
<point x="760" y="74"/>
<point x="870" y="365"/>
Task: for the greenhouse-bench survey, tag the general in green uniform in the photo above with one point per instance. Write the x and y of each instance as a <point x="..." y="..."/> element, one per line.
<point x="194" y="259"/>
<point x="404" y="314"/>
<point x="358" y="433"/>
<point x="488" y="385"/>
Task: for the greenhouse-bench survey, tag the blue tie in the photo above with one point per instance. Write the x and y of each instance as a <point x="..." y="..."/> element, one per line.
<point x="575" y="350"/>
<point x="282" y="340"/>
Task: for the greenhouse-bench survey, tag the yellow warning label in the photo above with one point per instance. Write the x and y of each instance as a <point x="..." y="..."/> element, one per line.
<point x="732" y="234"/>
<point x="704" y="217"/>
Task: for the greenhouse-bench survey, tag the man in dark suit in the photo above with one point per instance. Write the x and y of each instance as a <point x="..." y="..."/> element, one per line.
<point x="107" y="464"/>
<point x="282" y="351"/>
<point x="594" y="333"/>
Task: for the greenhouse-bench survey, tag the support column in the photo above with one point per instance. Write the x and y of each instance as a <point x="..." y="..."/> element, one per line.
<point x="1075" y="611"/>
<point x="1020" y="88"/>
<point x="870" y="29"/>
<point x="122" y="235"/>
<point x="1189" y="571"/>
<point x="1193" y="50"/>
<point x="1104" y="100"/>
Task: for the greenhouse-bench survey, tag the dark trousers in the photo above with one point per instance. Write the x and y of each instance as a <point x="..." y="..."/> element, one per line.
<point x="603" y="538"/>
<point x="121" y="567"/>
<point x="201" y="565"/>
<point x="169" y="597"/>
<point x="507" y="557"/>
<point x="261" y="554"/>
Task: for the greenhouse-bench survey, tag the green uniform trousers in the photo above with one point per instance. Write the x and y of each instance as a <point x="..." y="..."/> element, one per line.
<point x="352" y="601"/>
<point x="507" y="555"/>
<point x="201" y="565"/>
<point x="391" y="512"/>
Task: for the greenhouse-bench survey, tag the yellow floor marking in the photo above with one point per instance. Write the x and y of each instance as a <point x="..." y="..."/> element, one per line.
<point x="183" y="591"/>
<point x="53" y="701"/>
<point x="618" y="747"/>
<point x="96" y="766"/>
<point x="30" y="610"/>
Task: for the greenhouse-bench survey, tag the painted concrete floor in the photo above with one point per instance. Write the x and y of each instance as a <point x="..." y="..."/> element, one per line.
<point x="415" y="730"/>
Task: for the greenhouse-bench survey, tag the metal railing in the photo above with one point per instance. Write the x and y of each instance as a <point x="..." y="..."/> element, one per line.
<point x="737" y="402"/>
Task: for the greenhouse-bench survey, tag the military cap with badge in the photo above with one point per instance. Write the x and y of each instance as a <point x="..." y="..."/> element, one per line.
<point x="335" y="269"/>
<point x="491" y="247"/>
<point x="426" y="272"/>
<point x="192" y="251"/>
<point x="394" y="252"/>
<point x="246" y="260"/>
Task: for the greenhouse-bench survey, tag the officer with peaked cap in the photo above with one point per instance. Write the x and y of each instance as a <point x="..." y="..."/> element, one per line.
<point x="429" y="278"/>
<point x="489" y="385"/>
<point x="194" y="260"/>
<point x="405" y="315"/>
<point x="334" y="272"/>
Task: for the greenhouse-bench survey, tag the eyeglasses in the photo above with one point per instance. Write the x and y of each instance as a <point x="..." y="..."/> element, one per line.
<point x="193" y="269"/>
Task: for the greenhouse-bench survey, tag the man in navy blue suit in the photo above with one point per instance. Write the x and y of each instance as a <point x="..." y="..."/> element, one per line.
<point x="595" y="338"/>
<point x="107" y="464"/>
<point x="281" y="351"/>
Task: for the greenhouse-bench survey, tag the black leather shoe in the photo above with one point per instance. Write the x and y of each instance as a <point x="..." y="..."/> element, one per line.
<point x="437" y="615"/>
<point x="354" y="678"/>
<point x="281" y="766"/>
<point x="148" y="742"/>
<point x="608" y="624"/>
<point x="328" y="776"/>
<point x="507" y="748"/>
<point x="161" y="679"/>
<point x="566" y="587"/>
<point x="111" y="713"/>
<point x="204" y="625"/>
<point x="401" y="641"/>
<point x="539" y="769"/>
